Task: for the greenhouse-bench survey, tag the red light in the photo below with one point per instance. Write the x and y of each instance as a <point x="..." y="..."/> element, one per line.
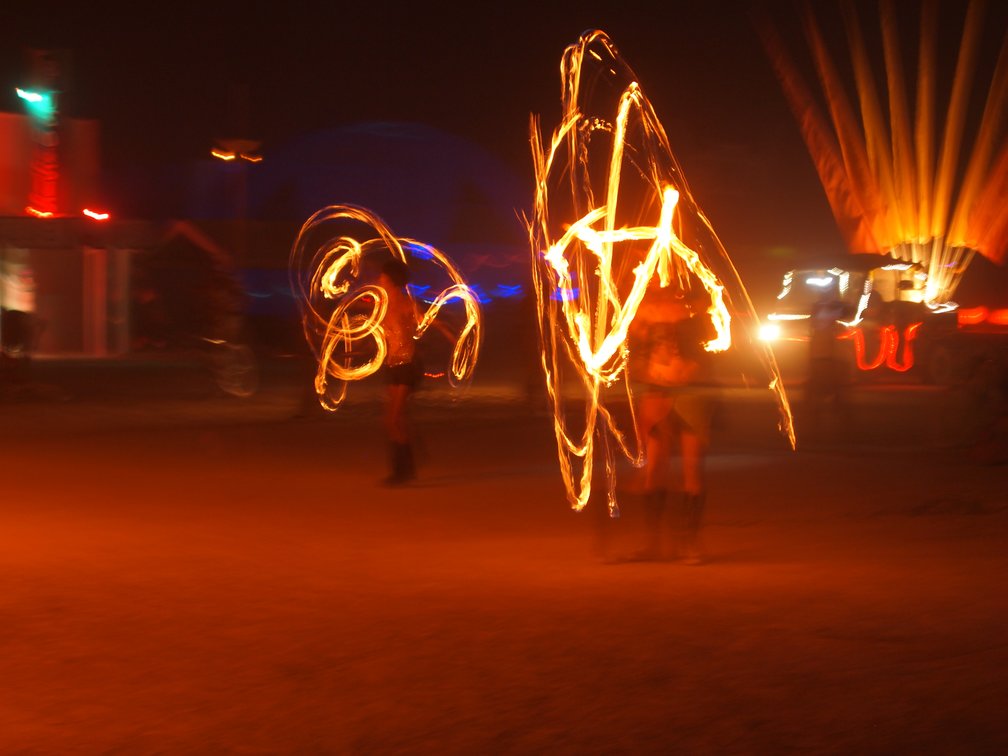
<point x="95" y="215"/>
<point x="889" y="340"/>
<point x="972" y="315"/>
<point x="38" y="213"/>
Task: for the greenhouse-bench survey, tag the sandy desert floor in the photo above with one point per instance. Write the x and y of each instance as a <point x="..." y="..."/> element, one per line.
<point x="198" y="575"/>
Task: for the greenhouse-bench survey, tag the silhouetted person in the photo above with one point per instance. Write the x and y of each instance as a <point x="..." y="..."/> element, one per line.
<point x="529" y="351"/>
<point x="17" y="316"/>
<point x="987" y="392"/>
<point x="826" y="386"/>
<point x="402" y="368"/>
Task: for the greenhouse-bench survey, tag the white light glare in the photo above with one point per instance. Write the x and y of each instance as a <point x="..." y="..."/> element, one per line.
<point x="820" y="281"/>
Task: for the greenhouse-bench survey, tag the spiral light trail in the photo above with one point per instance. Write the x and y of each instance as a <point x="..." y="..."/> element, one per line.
<point x="342" y="310"/>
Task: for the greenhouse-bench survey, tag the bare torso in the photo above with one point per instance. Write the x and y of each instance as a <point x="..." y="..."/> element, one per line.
<point x="399" y="325"/>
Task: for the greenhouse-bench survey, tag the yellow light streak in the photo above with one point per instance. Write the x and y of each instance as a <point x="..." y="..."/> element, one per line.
<point x="612" y="214"/>
<point x="342" y="311"/>
<point x="899" y="188"/>
<point x="787" y="316"/>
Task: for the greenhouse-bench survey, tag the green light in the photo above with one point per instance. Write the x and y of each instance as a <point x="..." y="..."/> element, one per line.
<point x="41" y="105"/>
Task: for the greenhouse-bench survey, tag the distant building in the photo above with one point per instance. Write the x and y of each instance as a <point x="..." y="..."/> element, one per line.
<point x="425" y="183"/>
<point x="50" y="215"/>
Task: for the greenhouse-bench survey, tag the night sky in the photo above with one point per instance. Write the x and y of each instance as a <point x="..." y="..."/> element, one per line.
<point x="166" y="82"/>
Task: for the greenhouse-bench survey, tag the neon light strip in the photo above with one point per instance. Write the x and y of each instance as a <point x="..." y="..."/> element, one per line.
<point x="888" y="348"/>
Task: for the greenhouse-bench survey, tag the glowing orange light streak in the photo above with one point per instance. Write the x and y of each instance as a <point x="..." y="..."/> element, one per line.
<point x="39" y="213"/>
<point x="342" y="314"/>
<point x="229" y="155"/>
<point x="94" y="215"/>
<point x="607" y="222"/>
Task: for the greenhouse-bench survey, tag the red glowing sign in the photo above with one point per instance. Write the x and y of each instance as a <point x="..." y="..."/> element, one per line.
<point x="888" y="352"/>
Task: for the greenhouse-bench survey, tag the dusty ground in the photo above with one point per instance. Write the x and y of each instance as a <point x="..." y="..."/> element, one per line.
<point x="196" y="575"/>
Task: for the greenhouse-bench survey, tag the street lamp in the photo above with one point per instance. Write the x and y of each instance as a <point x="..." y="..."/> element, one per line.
<point x="237" y="149"/>
<point x="40" y="105"/>
<point x="240" y="151"/>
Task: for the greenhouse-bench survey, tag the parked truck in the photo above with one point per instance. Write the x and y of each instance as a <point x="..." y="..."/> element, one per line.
<point x="886" y="324"/>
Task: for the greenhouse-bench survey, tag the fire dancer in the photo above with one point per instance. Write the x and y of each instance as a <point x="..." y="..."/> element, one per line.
<point x="356" y="328"/>
<point x="672" y="329"/>
<point x="402" y="368"/>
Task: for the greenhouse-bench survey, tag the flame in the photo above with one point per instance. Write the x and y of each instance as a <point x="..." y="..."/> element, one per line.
<point x="622" y="230"/>
<point x="342" y="315"/>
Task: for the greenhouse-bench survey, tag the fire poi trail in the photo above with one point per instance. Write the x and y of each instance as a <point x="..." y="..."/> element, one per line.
<point x="333" y="279"/>
<point x="612" y="212"/>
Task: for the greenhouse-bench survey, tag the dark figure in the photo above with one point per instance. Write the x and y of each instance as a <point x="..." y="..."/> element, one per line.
<point x="17" y="317"/>
<point x="675" y="407"/>
<point x="987" y="391"/>
<point x="826" y="386"/>
<point x="527" y="344"/>
<point x="149" y="327"/>
<point x="402" y="368"/>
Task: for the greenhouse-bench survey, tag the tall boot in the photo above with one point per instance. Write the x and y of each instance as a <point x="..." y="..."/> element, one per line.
<point x="655" y="502"/>
<point x="392" y="478"/>
<point x="694" y="509"/>
<point x="401" y="464"/>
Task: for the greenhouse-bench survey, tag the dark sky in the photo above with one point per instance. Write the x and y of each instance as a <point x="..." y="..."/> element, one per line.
<point x="166" y="81"/>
